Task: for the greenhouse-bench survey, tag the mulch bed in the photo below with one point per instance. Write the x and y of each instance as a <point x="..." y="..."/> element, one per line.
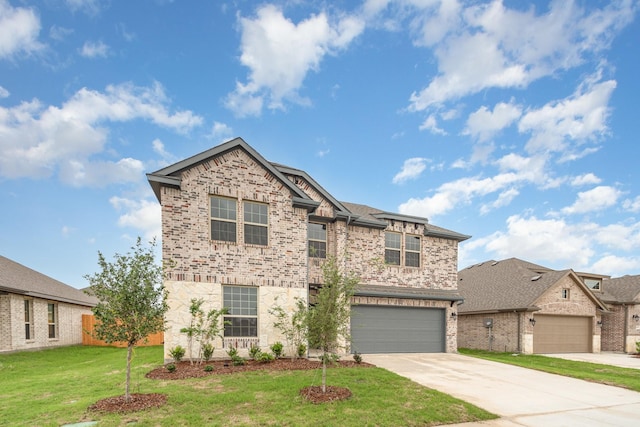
<point x="184" y="370"/>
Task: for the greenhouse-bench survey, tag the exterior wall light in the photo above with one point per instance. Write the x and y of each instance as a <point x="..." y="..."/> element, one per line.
<point x="635" y="317"/>
<point x="532" y="321"/>
<point x="454" y="314"/>
<point x="599" y="322"/>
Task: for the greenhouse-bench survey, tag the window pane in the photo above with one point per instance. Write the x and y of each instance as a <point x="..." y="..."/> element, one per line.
<point x="27" y="315"/>
<point x="255" y="235"/>
<point x="52" y="331"/>
<point x="255" y="213"/>
<point x="412" y="259"/>
<point x="317" y="249"/>
<point x="241" y="327"/>
<point x="413" y="243"/>
<point x="392" y="240"/>
<point x="392" y="257"/>
<point x="27" y="331"/>
<point x="225" y="231"/>
<point x="223" y="208"/>
<point x="51" y="313"/>
<point x="317" y="232"/>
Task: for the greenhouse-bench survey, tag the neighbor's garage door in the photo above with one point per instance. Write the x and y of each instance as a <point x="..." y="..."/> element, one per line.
<point x="562" y="334"/>
<point x="385" y="329"/>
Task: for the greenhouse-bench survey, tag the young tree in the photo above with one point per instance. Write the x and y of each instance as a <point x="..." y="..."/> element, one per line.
<point x="203" y="328"/>
<point x="328" y="320"/>
<point x="132" y="299"/>
<point x="292" y="325"/>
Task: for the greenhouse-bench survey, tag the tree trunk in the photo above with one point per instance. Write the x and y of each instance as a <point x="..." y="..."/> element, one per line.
<point x="127" y="396"/>
<point x="324" y="373"/>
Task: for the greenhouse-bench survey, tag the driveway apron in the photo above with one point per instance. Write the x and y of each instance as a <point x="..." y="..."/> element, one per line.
<point x="522" y="397"/>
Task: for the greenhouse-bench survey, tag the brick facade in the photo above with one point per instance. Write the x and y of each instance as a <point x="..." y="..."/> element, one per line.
<point x="12" y="324"/>
<point x="281" y="270"/>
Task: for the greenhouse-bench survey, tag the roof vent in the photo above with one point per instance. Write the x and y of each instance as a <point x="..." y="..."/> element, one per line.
<point x="534" y="278"/>
<point x="495" y="263"/>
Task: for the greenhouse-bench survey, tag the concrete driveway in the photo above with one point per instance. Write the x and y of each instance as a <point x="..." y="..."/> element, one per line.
<point x="522" y="397"/>
<point x="605" y="358"/>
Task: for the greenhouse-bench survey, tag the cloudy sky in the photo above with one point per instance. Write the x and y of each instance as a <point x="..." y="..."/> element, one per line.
<point x="514" y="122"/>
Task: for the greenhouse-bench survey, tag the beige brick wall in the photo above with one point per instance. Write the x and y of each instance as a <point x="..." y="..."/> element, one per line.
<point x="613" y="329"/>
<point x="502" y="336"/>
<point x="69" y="324"/>
<point x="6" y="340"/>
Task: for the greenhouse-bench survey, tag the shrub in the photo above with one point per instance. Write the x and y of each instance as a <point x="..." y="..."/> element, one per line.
<point x="263" y="357"/>
<point x="276" y="349"/>
<point x="171" y="367"/>
<point x="232" y="352"/>
<point x="638" y="347"/>
<point x="208" y="368"/>
<point x="302" y="350"/>
<point x="207" y="351"/>
<point x="357" y="357"/>
<point x="237" y="360"/>
<point x="254" y="352"/>
<point x="177" y="353"/>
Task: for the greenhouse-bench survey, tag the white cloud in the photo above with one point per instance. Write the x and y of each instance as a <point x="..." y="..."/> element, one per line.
<point x="36" y="141"/>
<point x="483" y="124"/>
<point x="578" y="118"/>
<point x="19" y="29"/>
<point x="586" y="179"/>
<point x="221" y="131"/>
<point x="4" y="93"/>
<point x="596" y="199"/>
<point x="431" y="124"/>
<point x="59" y="33"/>
<point x="504" y="199"/>
<point x="551" y="240"/>
<point x="141" y="214"/>
<point x="280" y="53"/>
<point x="94" y="49"/>
<point x="493" y="46"/>
<point x="632" y="205"/>
<point x="616" y="265"/>
<point x="411" y="169"/>
<point x="89" y="7"/>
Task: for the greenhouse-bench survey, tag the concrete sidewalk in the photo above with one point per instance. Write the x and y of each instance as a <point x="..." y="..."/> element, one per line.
<point x="522" y="397"/>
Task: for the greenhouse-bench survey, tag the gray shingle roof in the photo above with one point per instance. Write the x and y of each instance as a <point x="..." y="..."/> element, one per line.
<point x="625" y="289"/>
<point x="406" y="292"/>
<point x="506" y="285"/>
<point x="16" y="278"/>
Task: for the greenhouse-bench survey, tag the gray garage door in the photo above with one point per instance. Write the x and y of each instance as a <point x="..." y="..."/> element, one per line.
<point x="385" y="329"/>
<point x="562" y="334"/>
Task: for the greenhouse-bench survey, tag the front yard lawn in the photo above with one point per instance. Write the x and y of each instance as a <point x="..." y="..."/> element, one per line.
<point x="604" y="374"/>
<point x="55" y="387"/>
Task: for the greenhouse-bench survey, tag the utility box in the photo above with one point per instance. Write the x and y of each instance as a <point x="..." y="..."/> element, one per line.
<point x="487" y="322"/>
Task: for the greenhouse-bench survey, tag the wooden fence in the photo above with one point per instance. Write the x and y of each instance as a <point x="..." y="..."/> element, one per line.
<point x="88" y="325"/>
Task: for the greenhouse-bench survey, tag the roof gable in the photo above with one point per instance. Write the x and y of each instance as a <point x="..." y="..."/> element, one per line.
<point x="18" y="279"/>
<point x="625" y="289"/>
<point x="510" y="284"/>
<point x="170" y="175"/>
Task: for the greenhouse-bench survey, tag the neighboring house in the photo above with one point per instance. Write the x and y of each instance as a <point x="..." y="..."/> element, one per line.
<point x="621" y="326"/>
<point x="37" y="311"/>
<point x="247" y="234"/>
<point x="516" y="306"/>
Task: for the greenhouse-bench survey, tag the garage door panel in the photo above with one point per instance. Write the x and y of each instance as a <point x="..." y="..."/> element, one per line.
<point x="389" y="329"/>
<point x="562" y="334"/>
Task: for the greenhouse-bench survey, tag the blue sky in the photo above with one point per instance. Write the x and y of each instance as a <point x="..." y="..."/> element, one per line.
<point x="510" y="121"/>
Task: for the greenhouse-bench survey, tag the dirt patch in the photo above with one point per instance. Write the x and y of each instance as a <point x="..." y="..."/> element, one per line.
<point x="137" y="402"/>
<point x="221" y="367"/>
<point x="314" y="394"/>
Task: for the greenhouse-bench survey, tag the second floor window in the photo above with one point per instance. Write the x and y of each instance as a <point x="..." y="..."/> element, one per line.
<point x="412" y="251"/>
<point x="256" y="220"/>
<point x="223" y="219"/>
<point x="392" y="246"/>
<point x="317" y="234"/>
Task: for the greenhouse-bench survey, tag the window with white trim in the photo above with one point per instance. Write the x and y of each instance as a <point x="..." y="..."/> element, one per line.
<point x="412" y="249"/>
<point x="392" y="246"/>
<point x="256" y="220"/>
<point x="593" y="284"/>
<point x="317" y="235"/>
<point x="52" y="319"/>
<point x="242" y="303"/>
<point x="28" y="319"/>
<point x="223" y="219"/>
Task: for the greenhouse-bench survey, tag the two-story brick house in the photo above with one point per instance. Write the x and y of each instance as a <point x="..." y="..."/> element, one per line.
<point x="246" y="234"/>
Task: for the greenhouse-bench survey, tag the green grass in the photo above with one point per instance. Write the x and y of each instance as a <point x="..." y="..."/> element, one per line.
<point x="605" y="374"/>
<point x="54" y="387"/>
